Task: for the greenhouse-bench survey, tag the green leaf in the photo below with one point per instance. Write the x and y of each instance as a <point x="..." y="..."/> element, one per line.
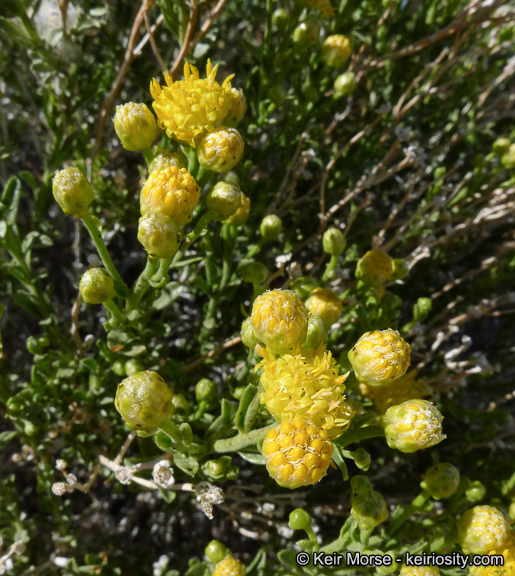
<point x="253" y="457"/>
<point x="8" y="436"/>
<point x="338" y="458"/>
<point x="245" y="402"/>
<point x="10" y="200"/>
<point x="186" y="463"/>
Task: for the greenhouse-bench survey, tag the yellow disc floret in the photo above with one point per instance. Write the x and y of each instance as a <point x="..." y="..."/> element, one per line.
<point x="481" y="529"/>
<point x="375" y="268"/>
<point x="221" y="149"/>
<point x="336" y="50"/>
<point x="413" y="425"/>
<point x="380" y="357"/>
<point x="326" y="304"/>
<point x="406" y="387"/>
<point x="188" y="109"/>
<point x="507" y="551"/>
<point x="306" y="385"/>
<point x="229" y="566"/>
<point x="297" y="454"/>
<point x="280" y="320"/>
<point x="172" y="192"/>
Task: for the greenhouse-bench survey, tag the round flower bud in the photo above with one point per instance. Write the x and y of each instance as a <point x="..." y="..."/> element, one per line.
<point x="387" y="567"/>
<point x="280" y="320"/>
<point x="216" y="551"/>
<point x="441" y="480"/>
<point x="206" y="390"/>
<point x="221" y="149"/>
<point x="399" y="269"/>
<point x="241" y="215"/>
<point x="224" y="199"/>
<point x="181" y="405"/>
<point x="96" y="286"/>
<point x="375" y="268"/>
<point x="164" y="159"/>
<point x="380" y="357"/>
<point x="362" y="459"/>
<point x="507" y="551"/>
<point x="229" y="566"/>
<point x="369" y="509"/>
<point x="501" y="146"/>
<point x="136" y="126"/>
<point x="159" y="235"/>
<point x="299" y="520"/>
<point x="72" y="191"/>
<point x="231" y="177"/>
<point x="360" y="485"/>
<point x="172" y="192"/>
<point x="306" y="34"/>
<point x="271" y="227"/>
<point x="297" y="454"/>
<point x="345" y="84"/>
<point x="254" y="272"/>
<point x="280" y="18"/>
<point x="238" y="108"/>
<point x="247" y="334"/>
<point x="144" y="401"/>
<point x="336" y="50"/>
<point x="326" y="304"/>
<point x="508" y="159"/>
<point x="419" y="571"/>
<point x="413" y="425"/>
<point x="481" y="529"/>
<point x="317" y="332"/>
<point x="333" y="241"/>
<point x="475" y="491"/>
<point x="306" y="386"/>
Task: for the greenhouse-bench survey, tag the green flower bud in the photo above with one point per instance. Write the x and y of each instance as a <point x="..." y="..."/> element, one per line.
<point x="387" y="567"/>
<point x="271" y="227"/>
<point x="333" y="241"/>
<point x="360" y="485"/>
<point x="399" y="269"/>
<point x="441" y="480"/>
<point x="164" y="159"/>
<point x="345" y="84"/>
<point x="159" y="235"/>
<point x="96" y="286"/>
<point x="231" y="177"/>
<point x="475" y="492"/>
<point x="375" y="268"/>
<point x="317" y="332"/>
<point x="305" y="35"/>
<point x="248" y="337"/>
<point x="500" y="147"/>
<point x="72" y="191"/>
<point x="118" y="368"/>
<point x="299" y="520"/>
<point x="304" y="285"/>
<point x="254" y="272"/>
<point x="508" y="160"/>
<point x="281" y="18"/>
<point x="133" y="366"/>
<point x="216" y="551"/>
<point x="369" y="509"/>
<point x="144" y="401"/>
<point x="136" y="126"/>
<point x="241" y="215"/>
<point x="362" y="459"/>
<point x="336" y="50"/>
<point x="224" y="199"/>
<point x="181" y="405"/>
<point x="206" y="390"/>
<point x="214" y="468"/>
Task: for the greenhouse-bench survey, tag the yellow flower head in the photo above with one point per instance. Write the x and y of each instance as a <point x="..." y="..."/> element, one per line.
<point x="323" y="5"/>
<point x="172" y="192"/>
<point x="375" y="268"/>
<point x="326" y="304"/>
<point x="482" y="529"/>
<point x="297" y="454"/>
<point x="406" y="387"/>
<point x="507" y="551"/>
<point x="306" y="385"/>
<point x="229" y="566"/>
<point x="188" y="109"/>
<point x="419" y="571"/>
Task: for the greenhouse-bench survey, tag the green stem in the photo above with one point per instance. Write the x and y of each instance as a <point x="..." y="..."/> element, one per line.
<point x="161" y="277"/>
<point x="361" y="434"/>
<point x="242" y="440"/>
<point x="330" y="268"/>
<point x="148" y="155"/>
<point x="142" y="282"/>
<point x="94" y="232"/>
<point x="415" y="506"/>
<point x="115" y="311"/>
<point x="191" y="155"/>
